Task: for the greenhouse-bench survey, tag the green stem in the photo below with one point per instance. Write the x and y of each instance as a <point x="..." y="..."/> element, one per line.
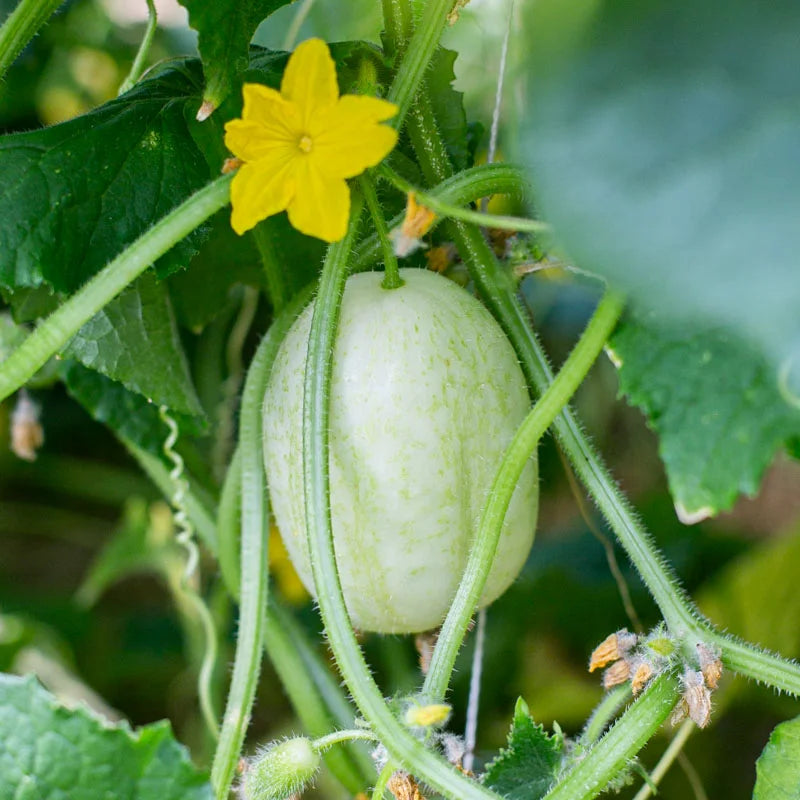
<point x="254" y="573"/>
<point x="341" y="637"/>
<point x="666" y="760"/>
<point x="397" y="23"/>
<point x="517" y="455"/>
<point x="324" y="743"/>
<point x="379" y="790"/>
<point x="308" y="684"/>
<point x="451" y="211"/>
<point x="458" y="190"/>
<point x="137" y="68"/>
<point x="54" y="333"/>
<point x="391" y="279"/>
<point x="21" y="26"/>
<point x="278" y="289"/>
<point x="498" y="292"/>
<point x="604" y="712"/>
<point x="228" y="526"/>
<point x="612" y="753"/>
<point x="417" y="57"/>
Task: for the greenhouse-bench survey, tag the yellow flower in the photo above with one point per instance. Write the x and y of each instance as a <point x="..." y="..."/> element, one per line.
<point x="298" y="146"/>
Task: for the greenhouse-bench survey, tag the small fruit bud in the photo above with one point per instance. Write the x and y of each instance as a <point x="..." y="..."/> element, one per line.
<point x="710" y="665"/>
<point x="616" y="674"/>
<point x="282" y="770"/>
<point x="612" y="648"/>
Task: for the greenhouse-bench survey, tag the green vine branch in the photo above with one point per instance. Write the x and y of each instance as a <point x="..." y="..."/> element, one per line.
<point x="517" y="455"/>
<point x="401" y="743"/>
<point x="137" y="68"/>
<point x="54" y="333"/>
<point x="21" y="25"/>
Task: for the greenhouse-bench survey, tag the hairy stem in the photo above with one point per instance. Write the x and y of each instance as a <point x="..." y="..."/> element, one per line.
<point x="54" y="333"/>
<point x="454" y="211"/>
<point x="341" y="637"/>
<point x="137" y="68"/>
<point x="593" y="772"/>
<point x="517" y="455"/>
<point x="255" y="532"/>
<point x="392" y="279"/>
<point x="21" y="25"/>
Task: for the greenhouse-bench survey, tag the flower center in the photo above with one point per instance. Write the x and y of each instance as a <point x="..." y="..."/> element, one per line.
<point x="305" y="143"/>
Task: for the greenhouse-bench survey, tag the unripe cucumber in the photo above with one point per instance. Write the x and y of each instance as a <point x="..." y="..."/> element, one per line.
<point x="426" y="395"/>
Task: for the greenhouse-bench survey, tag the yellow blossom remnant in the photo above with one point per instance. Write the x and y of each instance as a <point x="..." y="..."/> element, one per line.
<point x="710" y="665"/>
<point x="418" y="220"/>
<point x="404" y="787"/>
<point x="617" y="673"/>
<point x="612" y="648"/>
<point x="300" y="144"/>
<point x="642" y="673"/>
<point x="441" y="257"/>
<point x="427" y="716"/>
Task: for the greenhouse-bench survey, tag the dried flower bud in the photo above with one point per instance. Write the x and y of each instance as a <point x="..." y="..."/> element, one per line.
<point x="697" y="697"/>
<point x="679" y="713"/>
<point x="612" y="648"/>
<point x="417" y="222"/>
<point x="642" y="672"/>
<point x="425" y="642"/>
<point x="616" y="674"/>
<point x="281" y="771"/>
<point x="710" y="665"/>
<point x="404" y="787"/>
<point x="27" y="434"/>
<point x="454" y="748"/>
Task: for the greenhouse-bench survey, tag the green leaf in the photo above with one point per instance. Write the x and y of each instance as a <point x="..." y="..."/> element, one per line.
<point x="668" y="161"/>
<point x="778" y="766"/>
<point x="127" y="413"/>
<point x="527" y="768"/>
<point x="76" y="194"/>
<point x="756" y="595"/>
<point x="224" y="30"/>
<point x="134" y="340"/>
<point x="49" y="752"/>
<point x="715" y="404"/>
<point x="448" y="107"/>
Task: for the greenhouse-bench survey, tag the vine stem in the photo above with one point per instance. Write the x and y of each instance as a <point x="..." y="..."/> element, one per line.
<point x="417" y="55"/>
<point x="21" y="26"/>
<point x="137" y="68"/>
<point x="594" y="771"/>
<point x="497" y="290"/>
<point x="460" y="189"/>
<point x="392" y="279"/>
<point x="454" y="211"/>
<point x="666" y="760"/>
<point x="402" y="745"/>
<point x="254" y="559"/>
<point x="55" y="332"/>
<point x="517" y="455"/>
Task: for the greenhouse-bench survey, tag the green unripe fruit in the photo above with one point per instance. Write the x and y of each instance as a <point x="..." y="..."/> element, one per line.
<point x="282" y="770"/>
<point x="426" y="394"/>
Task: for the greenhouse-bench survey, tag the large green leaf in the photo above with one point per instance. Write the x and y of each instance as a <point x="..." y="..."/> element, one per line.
<point x="778" y="766"/>
<point x="134" y="340"/>
<point x="75" y="195"/>
<point x="715" y="404"/>
<point x="49" y="752"/>
<point x="127" y="413"/>
<point x="224" y="29"/>
<point x="527" y="768"/>
<point x="663" y="140"/>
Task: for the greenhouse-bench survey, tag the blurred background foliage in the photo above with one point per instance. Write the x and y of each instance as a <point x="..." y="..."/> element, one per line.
<point x="89" y="571"/>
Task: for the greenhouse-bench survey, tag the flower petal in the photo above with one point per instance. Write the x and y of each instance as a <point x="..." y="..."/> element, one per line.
<point x="261" y="189"/>
<point x="348" y="138"/>
<point x="309" y="79"/>
<point x="321" y="205"/>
